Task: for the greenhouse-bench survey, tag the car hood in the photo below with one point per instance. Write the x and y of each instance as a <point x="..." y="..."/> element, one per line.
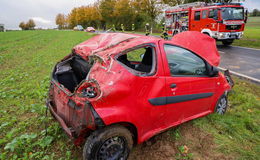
<point x="201" y="44"/>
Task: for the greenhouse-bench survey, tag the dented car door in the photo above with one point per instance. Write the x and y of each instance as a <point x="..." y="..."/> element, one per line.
<point x="189" y="89"/>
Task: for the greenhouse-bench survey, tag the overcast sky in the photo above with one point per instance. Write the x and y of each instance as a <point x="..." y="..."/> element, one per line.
<point x="12" y="12"/>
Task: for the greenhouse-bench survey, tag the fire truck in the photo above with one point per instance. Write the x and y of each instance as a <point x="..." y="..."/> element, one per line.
<point x="222" y="21"/>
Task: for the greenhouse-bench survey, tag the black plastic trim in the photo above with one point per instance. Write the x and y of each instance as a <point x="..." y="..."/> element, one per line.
<point x="176" y="99"/>
<point x="99" y="123"/>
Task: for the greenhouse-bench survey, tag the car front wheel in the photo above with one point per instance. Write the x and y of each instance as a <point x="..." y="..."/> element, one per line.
<point x="111" y="143"/>
<point x="222" y="105"/>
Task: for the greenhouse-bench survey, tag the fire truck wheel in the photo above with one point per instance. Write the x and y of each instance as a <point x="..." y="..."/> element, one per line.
<point x="227" y="42"/>
<point x="113" y="142"/>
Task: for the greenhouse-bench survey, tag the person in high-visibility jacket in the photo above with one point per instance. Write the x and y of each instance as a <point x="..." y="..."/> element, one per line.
<point x="147" y="29"/>
<point x="113" y="28"/>
<point x="133" y="27"/>
<point x="164" y="34"/>
<point x="122" y="28"/>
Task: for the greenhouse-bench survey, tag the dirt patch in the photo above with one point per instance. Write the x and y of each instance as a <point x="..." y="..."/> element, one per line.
<point x="190" y="143"/>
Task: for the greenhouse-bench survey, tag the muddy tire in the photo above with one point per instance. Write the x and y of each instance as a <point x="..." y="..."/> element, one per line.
<point x="222" y="104"/>
<point x="227" y="42"/>
<point x="113" y="142"/>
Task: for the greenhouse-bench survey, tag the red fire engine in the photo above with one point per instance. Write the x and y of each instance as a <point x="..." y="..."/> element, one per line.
<point x="222" y="21"/>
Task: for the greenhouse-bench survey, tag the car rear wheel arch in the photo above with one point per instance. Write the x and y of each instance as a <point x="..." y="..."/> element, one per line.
<point x="131" y="127"/>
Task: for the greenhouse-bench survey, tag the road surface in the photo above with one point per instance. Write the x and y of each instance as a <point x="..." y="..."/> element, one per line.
<point x="241" y="60"/>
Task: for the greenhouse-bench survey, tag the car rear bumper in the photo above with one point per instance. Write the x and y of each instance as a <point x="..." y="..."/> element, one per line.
<point x="69" y="131"/>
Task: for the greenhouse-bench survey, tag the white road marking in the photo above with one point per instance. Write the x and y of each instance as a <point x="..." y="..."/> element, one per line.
<point x="221" y="52"/>
<point x="242" y="75"/>
<point x="247" y="48"/>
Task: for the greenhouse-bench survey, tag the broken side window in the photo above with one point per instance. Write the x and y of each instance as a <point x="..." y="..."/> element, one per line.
<point x="141" y="59"/>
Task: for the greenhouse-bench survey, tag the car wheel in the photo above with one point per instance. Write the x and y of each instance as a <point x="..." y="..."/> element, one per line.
<point x="222" y="105"/>
<point x="111" y="143"/>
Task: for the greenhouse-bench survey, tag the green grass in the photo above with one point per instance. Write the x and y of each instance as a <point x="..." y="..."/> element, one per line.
<point x="26" y="61"/>
<point x="237" y="133"/>
<point x="251" y="36"/>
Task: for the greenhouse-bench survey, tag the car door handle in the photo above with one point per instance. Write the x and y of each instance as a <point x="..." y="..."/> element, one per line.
<point x="173" y="85"/>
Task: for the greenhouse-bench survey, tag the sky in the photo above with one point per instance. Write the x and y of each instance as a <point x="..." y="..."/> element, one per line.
<point x="43" y="12"/>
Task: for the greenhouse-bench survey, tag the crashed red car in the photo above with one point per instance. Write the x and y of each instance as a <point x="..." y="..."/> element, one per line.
<point x="117" y="89"/>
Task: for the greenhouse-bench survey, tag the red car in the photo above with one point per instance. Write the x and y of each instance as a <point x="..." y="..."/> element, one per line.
<point x="117" y="89"/>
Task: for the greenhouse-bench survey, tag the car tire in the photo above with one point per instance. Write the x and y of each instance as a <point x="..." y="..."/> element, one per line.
<point x="222" y="104"/>
<point x="113" y="142"/>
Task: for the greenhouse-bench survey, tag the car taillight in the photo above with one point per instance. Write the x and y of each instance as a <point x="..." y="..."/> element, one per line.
<point x="89" y="90"/>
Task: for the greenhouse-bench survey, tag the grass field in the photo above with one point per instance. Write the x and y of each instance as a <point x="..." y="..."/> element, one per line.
<point x="251" y="34"/>
<point x="26" y="60"/>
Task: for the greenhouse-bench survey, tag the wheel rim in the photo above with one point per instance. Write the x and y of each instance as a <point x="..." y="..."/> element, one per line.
<point x="112" y="149"/>
<point x="222" y="105"/>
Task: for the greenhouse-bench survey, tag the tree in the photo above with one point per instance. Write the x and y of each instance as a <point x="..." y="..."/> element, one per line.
<point x="30" y="24"/>
<point x="150" y="8"/>
<point x="22" y="25"/>
<point x="124" y="14"/>
<point x="61" y="21"/>
<point x="106" y="8"/>
<point x="255" y="13"/>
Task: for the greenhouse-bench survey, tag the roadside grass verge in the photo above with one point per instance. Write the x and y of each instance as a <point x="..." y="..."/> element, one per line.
<point x="237" y="133"/>
<point x="26" y="61"/>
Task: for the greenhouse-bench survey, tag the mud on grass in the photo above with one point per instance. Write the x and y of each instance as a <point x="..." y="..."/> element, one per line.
<point x="186" y="141"/>
<point x="24" y="81"/>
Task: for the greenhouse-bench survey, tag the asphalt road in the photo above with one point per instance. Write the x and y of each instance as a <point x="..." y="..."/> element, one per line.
<point x="242" y="60"/>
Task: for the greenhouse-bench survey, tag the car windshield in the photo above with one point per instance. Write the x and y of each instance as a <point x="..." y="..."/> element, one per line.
<point x="232" y="13"/>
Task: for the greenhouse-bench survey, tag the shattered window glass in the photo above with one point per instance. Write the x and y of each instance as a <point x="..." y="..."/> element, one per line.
<point x="136" y="55"/>
<point x="141" y="59"/>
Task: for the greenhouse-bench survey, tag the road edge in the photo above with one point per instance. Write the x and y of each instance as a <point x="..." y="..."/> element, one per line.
<point x="247" y="48"/>
<point x="242" y="76"/>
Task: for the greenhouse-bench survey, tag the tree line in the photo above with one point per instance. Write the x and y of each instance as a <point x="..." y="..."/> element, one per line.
<point x="27" y="26"/>
<point x="103" y="14"/>
<point x="255" y="13"/>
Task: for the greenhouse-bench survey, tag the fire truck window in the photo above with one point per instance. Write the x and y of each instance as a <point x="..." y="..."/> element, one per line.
<point x="183" y="62"/>
<point x="197" y="16"/>
<point x="204" y="14"/>
<point x="213" y="13"/>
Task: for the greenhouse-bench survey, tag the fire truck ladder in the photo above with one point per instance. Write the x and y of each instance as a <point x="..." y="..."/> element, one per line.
<point x="188" y="5"/>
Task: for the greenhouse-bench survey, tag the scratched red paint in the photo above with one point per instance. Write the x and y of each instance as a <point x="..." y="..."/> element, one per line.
<point x="124" y="96"/>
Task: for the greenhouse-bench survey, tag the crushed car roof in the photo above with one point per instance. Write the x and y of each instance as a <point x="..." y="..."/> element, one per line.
<point x="199" y="43"/>
<point x="106" y="41"/>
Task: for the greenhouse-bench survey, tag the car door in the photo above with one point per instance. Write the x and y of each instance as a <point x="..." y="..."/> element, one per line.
<point x="188" y="88"/>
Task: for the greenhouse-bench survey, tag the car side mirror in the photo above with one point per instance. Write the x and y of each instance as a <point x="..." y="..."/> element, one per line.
<point x="212" y="71"/>
<point x="246" y="16"/>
